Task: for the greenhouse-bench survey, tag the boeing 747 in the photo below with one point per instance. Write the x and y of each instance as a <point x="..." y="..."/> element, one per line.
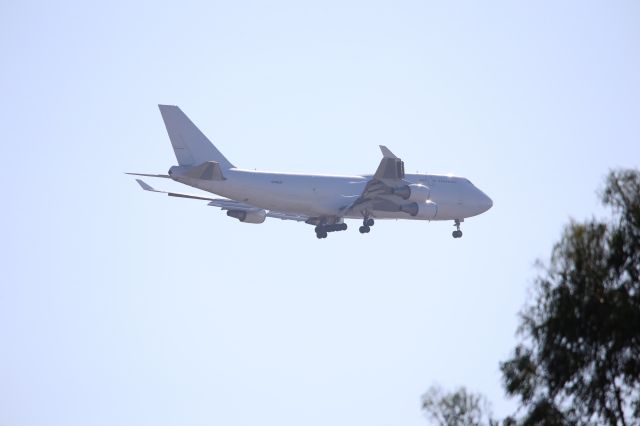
<point x="324" y="201"/>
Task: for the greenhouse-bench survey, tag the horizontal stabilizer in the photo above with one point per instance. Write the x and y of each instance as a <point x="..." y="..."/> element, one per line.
<point x="148" y="175"/>
<point x="146" y="186"/>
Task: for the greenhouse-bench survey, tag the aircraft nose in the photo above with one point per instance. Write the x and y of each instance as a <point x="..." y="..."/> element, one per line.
<point x="482" y="201"/>
<point x="487" y="202"/>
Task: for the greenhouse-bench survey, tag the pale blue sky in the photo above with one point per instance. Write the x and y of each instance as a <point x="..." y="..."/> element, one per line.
<point x="123" y="307"/>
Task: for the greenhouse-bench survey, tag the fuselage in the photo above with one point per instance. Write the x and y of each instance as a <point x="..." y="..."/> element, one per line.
<point x="323" y="201"/>
<point x="328" y="195"/>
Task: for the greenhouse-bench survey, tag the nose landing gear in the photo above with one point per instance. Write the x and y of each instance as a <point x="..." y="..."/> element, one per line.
<point x="457" y="233"/>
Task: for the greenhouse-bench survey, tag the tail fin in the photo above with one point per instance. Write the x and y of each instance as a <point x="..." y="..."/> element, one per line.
<point x="190" y="145"/>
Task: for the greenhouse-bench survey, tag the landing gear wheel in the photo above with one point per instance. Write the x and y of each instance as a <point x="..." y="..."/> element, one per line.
<point x="457" y="233"/>
<point x="369" y="222"/>
<point x="323" y="229"/>
<point x="364" y="229"/>
<point x="321" y="232"/>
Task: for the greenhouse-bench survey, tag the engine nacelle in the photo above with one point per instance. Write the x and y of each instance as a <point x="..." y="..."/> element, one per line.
<point x="425" y="211"/>
<point x="248" y="216"/>
<point x="414" y="192"/>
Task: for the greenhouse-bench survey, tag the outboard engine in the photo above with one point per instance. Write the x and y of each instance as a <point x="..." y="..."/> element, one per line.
<point x="414" y="192"/>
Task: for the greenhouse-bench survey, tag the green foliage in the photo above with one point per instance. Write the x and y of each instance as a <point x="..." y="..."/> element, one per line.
<point x="579" y="361"/>
<point x="459" y="408"/>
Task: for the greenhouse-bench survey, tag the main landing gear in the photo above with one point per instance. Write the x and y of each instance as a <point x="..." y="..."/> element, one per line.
<point x="367" y="223"/>
<point x="457" y="233"/>
<point x="323" y="230"/>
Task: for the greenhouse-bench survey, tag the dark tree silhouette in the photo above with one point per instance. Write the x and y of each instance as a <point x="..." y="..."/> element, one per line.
<point x="459" y="408"/>
<point x="579" y="358"/>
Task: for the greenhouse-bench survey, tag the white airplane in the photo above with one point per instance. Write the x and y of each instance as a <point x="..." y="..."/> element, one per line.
<point x="323" y="201"/>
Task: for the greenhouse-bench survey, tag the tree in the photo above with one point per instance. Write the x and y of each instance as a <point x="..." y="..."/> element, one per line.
<point x="458" y="408"/>
<point x="579" y="358"/>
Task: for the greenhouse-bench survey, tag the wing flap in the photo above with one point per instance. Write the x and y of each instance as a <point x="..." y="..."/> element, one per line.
<point x="287" y="216"/>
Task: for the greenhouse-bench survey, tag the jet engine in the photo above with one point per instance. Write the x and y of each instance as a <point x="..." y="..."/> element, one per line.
<point x="426" y="211"/>
<point x="414" y="192"/>
<point x="248" y="216"/>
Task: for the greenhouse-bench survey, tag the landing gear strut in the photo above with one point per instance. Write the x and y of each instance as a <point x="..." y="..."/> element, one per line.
<point x="457" y="233"/>
<point x="367" y="223"/>
<point x="323" y="230"/>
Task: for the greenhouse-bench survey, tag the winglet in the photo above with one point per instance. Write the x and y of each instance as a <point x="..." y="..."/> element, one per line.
<point x="386" y="153"/>
<point x="391" y="167"/>
<point x="145" y="186"/>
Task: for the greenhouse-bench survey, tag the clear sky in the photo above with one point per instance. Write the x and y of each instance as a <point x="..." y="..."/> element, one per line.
<point x="124" y="307"/>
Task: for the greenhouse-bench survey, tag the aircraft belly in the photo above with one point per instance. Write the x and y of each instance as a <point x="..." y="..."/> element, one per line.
<point x="292" y="204"/>
<point x="450" y="211"/>
<point x="311" y="196"/>
<point x="282" y="199"/>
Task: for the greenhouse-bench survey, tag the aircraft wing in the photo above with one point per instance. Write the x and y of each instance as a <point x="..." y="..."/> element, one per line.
<point x="390" y="174"/>
<point x="225" y="203"/>
<point x="287" y="216"/>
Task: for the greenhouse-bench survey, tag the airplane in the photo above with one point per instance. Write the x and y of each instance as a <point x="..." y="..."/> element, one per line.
<point x="324" y="201"/>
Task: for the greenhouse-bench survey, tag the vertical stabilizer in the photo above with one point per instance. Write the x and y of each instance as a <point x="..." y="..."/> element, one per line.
<point x="190" y="145"/>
